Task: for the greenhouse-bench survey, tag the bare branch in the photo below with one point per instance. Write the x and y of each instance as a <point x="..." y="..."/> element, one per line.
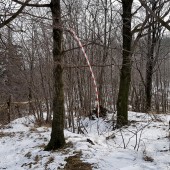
<point x="14" y="15"/>
<point x="159" y="19"/>
<point x="32" y="5"/>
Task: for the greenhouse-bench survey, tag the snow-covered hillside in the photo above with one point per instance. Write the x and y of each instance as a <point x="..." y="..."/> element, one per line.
<point x="143" y="145"/>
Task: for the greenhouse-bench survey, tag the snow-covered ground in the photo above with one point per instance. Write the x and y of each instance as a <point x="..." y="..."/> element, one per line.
<point x="143" y="145"/>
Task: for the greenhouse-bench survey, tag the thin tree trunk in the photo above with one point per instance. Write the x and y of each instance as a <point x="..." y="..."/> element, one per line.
<point x="149" y="68"/>
<point x="9" y="108"/>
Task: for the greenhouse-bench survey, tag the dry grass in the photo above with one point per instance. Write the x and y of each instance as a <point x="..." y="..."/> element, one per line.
<point x="42" y="145"/>
<point x="50" y="160"/>
<point x="40" y="123"/>
<point x="36" y="158"/>
<point x="5" y="134"/>
<point x="74" y="163"/>
<point x="28" y="155"/>
<point x="33" y="129"/>
<point x="148" y="158"/>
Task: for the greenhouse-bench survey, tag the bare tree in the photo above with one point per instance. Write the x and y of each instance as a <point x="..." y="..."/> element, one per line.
<point x="154" y="32"/>
<point x="57" y="135"/>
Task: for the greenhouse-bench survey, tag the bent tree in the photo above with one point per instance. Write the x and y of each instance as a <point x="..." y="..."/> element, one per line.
<point x="125" y="73"/>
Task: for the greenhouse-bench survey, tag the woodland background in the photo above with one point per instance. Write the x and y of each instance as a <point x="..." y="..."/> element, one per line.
<point x="26" y="63"/>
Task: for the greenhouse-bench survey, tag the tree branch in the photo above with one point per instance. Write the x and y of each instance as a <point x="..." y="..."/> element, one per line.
<point x="14" y="15"/>
<point x="32" y="5"/>
<point x="160" y="20"/>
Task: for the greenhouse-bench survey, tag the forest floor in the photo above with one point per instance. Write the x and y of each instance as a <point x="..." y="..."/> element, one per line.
<point x="143" y="145"/>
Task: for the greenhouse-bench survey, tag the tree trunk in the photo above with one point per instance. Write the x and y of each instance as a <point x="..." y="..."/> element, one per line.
<point x="9" y="103"/>
<point x="57" y="135"/>
<point x="153" y="37"/>
<point x="149" y="72"/>
<point x="125" y="74"/>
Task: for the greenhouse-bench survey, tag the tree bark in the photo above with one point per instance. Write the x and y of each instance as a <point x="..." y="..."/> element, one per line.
<point x="57" y="135"/>
<point x="125" y="74"/>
